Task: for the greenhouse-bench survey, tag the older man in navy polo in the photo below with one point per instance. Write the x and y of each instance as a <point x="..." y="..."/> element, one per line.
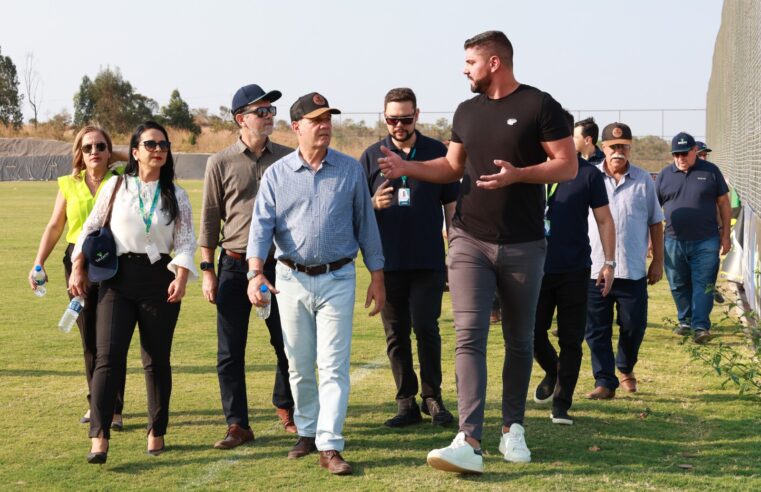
<point x="690" y="190"/>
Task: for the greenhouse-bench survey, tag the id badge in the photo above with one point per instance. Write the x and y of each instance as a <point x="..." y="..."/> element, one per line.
<point x="153" y="253"/>
<point x="546" y="227"/>
<point x="404" y="197"/>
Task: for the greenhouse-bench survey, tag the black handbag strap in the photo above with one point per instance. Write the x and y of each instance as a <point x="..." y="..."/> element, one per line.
<point x="111" y="201"/>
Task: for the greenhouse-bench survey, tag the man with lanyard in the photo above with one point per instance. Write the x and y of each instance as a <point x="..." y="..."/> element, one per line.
<point x="637" y="216"/>
<point x="315" y="204"/>
<point x="585" y="133"/>
<point x="564" y="285"/>
<point x="230" y="185"/>
<point x="410" y="220"/>
<point x="690" y="190"/>
<point x="501" y="142"/>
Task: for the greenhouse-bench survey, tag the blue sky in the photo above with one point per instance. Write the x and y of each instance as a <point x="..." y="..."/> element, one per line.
<point x="597" y="54"/>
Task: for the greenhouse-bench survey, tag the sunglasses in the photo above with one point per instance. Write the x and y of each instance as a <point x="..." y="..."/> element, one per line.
<point x="99" y="147"/>
<point x="151" y="145"/>
<point x="679" y="154"/>
<point x="404" y="120"/>
<point x="262" y="112"/>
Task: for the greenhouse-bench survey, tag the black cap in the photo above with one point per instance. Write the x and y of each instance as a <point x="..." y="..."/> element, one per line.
<point x="99" y="250"/>
<point x="250" y="94"/>
<point x="702" y="147"/>
<point x="311" y="105"/>
<point x="682" y="142"/>
<point x="617" y="133"/>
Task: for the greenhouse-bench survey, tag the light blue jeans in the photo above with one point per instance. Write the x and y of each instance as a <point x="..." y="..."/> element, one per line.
<point x="691" y="268"/>
<point x="316" y="315"/>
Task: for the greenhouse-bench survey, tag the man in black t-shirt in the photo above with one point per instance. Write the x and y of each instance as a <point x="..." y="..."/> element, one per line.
<point x="409" y="218"/>
<point x="506" y="143"/>
<point x="566" y="275"/>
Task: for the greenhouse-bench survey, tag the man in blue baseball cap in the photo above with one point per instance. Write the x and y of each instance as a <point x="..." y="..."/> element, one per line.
<point x="690" y="190"/>
<point x="230" y="186"/>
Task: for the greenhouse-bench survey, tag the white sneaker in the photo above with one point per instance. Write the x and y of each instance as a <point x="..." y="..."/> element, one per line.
<point x="458" y="457"/>
<point x="513" y="445"/>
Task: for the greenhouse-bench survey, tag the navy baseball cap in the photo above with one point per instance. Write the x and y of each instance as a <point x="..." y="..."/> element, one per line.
<point x="311" y="105"/>
<point x="250" y="94"/>
<point x="702" y="147"/>
<point x="99" y="249"/>
<point x="682" y="142"/>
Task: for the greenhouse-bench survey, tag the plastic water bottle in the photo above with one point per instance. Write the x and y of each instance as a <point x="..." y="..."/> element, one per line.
<point x="71" y="314"/>
<point x="264" y="311"/>
<point x="39" y="279"/>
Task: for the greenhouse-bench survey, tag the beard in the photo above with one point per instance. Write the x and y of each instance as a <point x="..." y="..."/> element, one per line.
<point x="480" y="86"/>
<point x="402" y="136"/>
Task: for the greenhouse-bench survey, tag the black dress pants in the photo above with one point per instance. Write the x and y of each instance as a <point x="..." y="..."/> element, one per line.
<point x="568" y="293"/>
<point x="233" y="314"/>
<point x="413" y="302"/>
<point x="87" y="327"/>
<point x="136" y="295"/>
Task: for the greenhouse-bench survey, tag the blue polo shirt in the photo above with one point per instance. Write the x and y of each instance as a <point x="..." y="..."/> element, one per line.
<point x="411" y="235"/>
<point x="689" y="200"/>
<point x="568" y="247"/>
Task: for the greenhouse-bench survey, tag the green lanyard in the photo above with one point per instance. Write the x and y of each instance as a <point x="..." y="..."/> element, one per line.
<point x="409" y="158"/>
<point x="551" y="190"/>
<point x="148" y="220"/>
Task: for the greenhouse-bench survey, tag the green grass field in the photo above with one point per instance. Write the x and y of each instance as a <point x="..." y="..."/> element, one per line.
<point x="681" y="431"/>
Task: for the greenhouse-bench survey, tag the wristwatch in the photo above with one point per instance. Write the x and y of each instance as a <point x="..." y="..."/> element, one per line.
<point x="207" y="265"/>
<point x="610" y="263"/>
<point x="252" y="273"/>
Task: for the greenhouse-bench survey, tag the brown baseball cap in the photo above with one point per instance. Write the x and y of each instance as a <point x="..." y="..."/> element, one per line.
<point x="311" y="105"/>
<point x="617" y="133"/>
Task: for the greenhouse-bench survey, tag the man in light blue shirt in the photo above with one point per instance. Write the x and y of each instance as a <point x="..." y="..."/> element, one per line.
<point x="315" y="203"/>
<point x="637" y="215"/>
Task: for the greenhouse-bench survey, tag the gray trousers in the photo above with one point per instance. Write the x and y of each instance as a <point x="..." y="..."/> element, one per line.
<point x="476" y="268"/>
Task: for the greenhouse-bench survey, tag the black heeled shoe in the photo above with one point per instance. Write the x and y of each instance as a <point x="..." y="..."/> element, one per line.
<point x="157" y="451"/>
<point x="98" y="458"/>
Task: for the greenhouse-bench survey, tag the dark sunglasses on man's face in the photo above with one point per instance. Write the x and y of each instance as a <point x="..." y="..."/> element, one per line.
<point x="404" y="120"/>
<point x="99" y="147"/>
<point x="262" y="112"/>
<point x="680" y="154"/>
<point x="151" y="145"/>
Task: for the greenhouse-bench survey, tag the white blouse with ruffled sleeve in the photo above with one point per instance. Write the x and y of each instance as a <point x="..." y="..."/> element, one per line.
<point x="129" y="229"/>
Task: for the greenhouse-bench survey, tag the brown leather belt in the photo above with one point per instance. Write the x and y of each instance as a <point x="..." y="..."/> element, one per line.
<point x="234" y="255"/>
<point x="316" y="269"/>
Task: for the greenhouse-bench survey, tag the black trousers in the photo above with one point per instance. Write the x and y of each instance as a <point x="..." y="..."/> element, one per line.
<point x="233" y="314"/>
<point x="413" y="302"/>
<point x="87" y="328"/>
<point x="136" y="295"/>
<point x="568" y="293"/>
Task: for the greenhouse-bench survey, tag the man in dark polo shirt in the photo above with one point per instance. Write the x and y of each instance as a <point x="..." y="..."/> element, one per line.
<point x="410" y="219"/>
<point x="564" y="285"/>
<point x="230" y="186"/>
<point x="506" y="143"/>
<point x="585" y="134"/>
<point x="689" y="191"/>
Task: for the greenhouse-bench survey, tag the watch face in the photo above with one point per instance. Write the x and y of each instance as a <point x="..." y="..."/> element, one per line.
<point x="206" y="265"/>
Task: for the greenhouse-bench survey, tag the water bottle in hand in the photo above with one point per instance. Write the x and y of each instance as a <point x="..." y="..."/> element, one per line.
<point x="264" y="311"/>
<point x="39" y="279"/>
<point x="71" y="314"/>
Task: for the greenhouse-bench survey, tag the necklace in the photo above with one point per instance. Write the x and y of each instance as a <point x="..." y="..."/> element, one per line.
<point x="94" y="180"/>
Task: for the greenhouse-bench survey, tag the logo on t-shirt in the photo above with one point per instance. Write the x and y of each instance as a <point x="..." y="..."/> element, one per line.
<point x="511" y="121"/>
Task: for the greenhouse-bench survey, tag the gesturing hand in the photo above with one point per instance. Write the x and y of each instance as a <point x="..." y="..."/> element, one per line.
<point x="507" y="175"/>
<point x="384" y="196"/>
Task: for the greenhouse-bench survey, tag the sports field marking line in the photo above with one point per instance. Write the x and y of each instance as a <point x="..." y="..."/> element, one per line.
<point x="215" y="468"/>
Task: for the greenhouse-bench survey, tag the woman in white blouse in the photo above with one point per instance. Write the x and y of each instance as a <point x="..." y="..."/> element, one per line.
<point x="151" y="217"/>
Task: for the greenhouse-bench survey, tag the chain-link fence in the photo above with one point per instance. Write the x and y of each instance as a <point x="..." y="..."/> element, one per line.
<point x="733" y="114"/>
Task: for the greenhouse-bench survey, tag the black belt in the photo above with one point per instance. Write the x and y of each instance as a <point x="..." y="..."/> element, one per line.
<point x="316" y="269"/>
<point x="242" y="257"/>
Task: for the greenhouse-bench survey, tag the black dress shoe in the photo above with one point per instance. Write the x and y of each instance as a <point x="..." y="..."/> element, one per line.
<point x="117" y="425"/>
<point x="408" y="414"/>
<point x="156" y="452"/>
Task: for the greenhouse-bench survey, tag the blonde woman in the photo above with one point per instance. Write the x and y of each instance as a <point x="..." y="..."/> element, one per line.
<point x="92" y="152"/>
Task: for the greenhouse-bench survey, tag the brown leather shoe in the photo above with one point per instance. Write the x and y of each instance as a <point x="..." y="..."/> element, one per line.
<point x="286" y="418"/>
<point x="303" y="447"/>
<point x="236" y="435"/>
<point x="335" y="464"/>
<point x="602" y="393"/>
<point x="629" y="382"/>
